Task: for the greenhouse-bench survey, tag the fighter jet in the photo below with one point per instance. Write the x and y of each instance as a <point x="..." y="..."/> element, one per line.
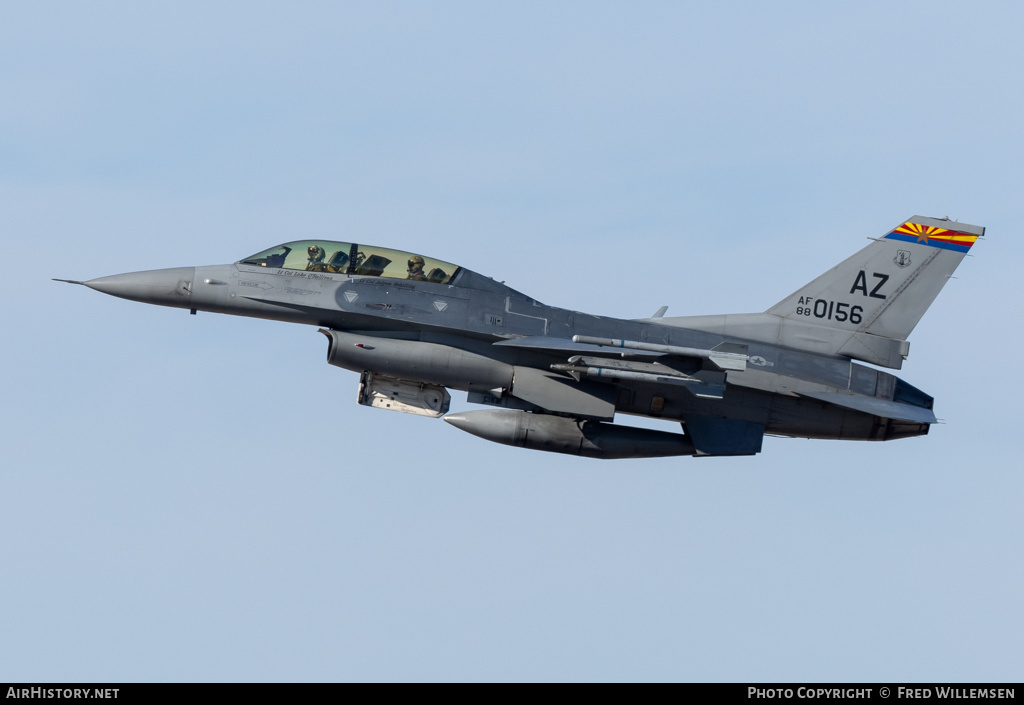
<point x="555" y="380"/>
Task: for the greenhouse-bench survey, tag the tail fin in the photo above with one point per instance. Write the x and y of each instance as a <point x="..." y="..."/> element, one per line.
<point x="874" y="299"/>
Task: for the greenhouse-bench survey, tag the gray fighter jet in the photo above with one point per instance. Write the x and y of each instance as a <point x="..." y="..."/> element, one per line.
<point x="414" y="327"/>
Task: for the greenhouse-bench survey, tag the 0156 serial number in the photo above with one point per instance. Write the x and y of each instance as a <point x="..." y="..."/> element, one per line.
<point x="831" y="310"/>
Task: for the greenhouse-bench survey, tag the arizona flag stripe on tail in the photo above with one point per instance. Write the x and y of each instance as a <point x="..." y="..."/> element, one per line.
<point x="933" y="237"/>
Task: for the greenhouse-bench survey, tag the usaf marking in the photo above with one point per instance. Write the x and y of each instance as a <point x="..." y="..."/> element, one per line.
<point x="842" y="311"/>
<point x="830" y="310"/>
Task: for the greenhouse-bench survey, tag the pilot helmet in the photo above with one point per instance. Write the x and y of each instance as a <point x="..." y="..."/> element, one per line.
<point x="414" y="260"/>
<point x="316" y="253"/>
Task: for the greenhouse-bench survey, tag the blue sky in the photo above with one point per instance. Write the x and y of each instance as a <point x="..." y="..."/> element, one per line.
<point x="200" y="498"/>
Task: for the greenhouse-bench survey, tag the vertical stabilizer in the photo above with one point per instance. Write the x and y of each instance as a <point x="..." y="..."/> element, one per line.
<point x="871" y="302"/>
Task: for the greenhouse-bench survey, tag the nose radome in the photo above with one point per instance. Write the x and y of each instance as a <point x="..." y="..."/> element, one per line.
<point x="164" y="287"/>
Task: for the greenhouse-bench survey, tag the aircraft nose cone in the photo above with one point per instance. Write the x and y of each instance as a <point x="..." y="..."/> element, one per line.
<point x="164" y="287"/>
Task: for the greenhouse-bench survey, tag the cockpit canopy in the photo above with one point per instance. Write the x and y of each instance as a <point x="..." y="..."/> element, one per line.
<point x="351" y="258"/>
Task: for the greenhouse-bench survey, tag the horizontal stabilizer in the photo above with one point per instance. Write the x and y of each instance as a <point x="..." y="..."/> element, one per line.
<point x="875" y="406"/>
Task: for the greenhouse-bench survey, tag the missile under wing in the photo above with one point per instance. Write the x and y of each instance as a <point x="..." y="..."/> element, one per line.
<point x="414" y="327"/>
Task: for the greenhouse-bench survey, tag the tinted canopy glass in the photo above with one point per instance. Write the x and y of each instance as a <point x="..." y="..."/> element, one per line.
<point x="352" y="258"/>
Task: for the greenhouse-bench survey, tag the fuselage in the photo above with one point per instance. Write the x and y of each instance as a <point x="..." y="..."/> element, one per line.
<point x="478" y="316"/>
